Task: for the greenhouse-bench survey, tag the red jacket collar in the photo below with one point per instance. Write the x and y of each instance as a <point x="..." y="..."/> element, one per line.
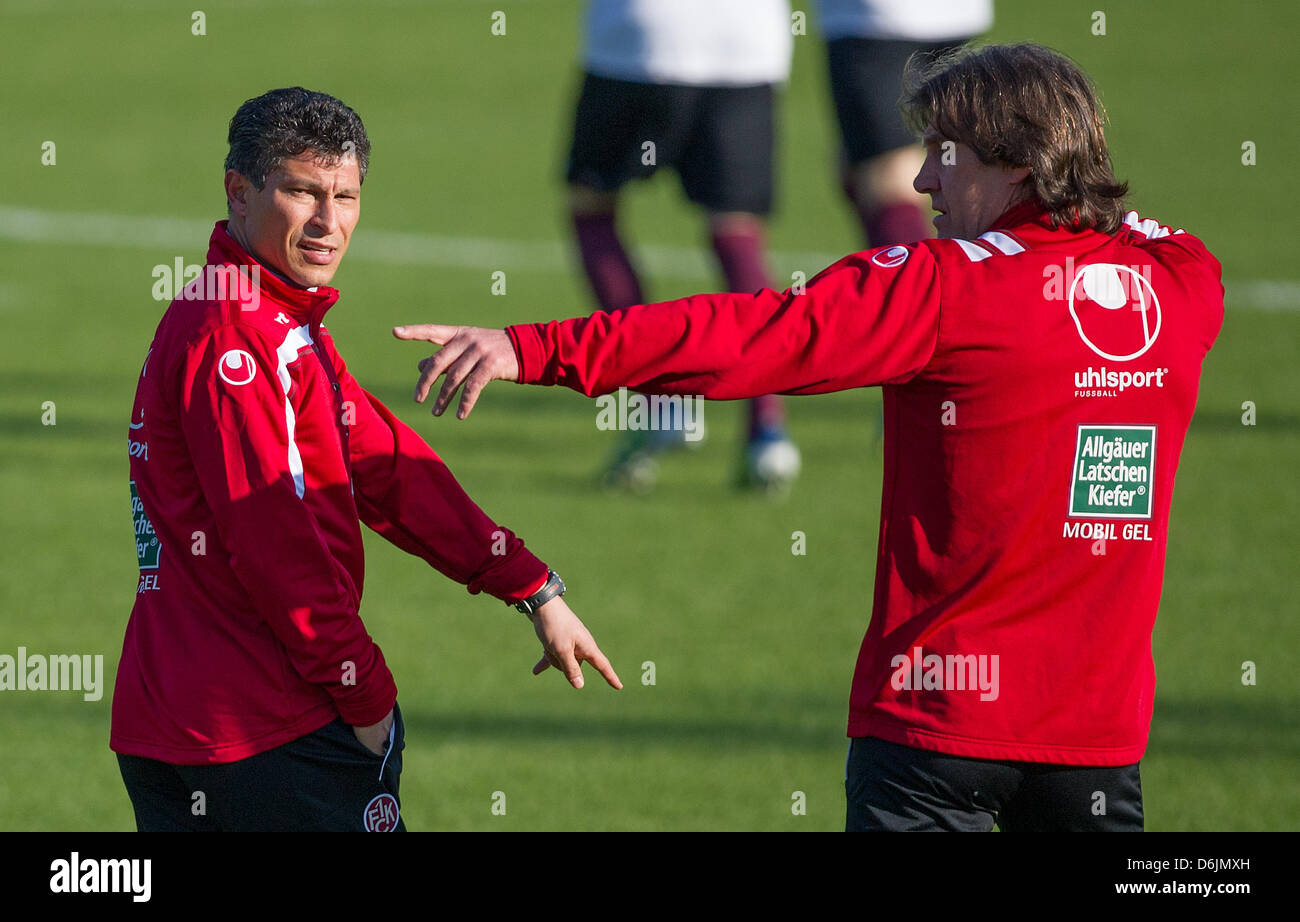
<point x="1030" y="223"/>
<point x="303" y="304"/>
<point x="1030" y="211"/>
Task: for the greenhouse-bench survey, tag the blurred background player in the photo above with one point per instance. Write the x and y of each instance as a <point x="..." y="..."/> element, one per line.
<point x="867" y="44"/>
<point x="691" y="86"/>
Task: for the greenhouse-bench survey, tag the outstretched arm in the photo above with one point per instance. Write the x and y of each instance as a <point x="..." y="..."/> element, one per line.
<point x="871" y="318"/>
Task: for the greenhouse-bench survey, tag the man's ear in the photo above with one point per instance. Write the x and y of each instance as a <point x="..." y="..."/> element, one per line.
<point x="1017" y="174"/>
<point x="237" y="186"/>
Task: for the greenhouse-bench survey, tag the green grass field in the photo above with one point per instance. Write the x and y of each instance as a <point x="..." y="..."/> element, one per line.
<point x="753" y="647"/>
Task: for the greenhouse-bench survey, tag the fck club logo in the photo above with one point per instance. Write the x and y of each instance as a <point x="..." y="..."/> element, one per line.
<point x="236" y="367"/>
<point x="380" y="814"/>
<point x="1115" y="310"/>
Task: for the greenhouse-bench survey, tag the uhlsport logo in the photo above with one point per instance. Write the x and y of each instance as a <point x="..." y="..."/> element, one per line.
<point x="1115" y="310"/>
<point x="380" y="814"/>
<point x="888" y="259"/>
<point x="236" y="367"/>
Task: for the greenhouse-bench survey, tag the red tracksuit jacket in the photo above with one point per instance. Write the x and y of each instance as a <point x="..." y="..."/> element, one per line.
<point x="254" y="453"/>
<point x="1037" y="384"/>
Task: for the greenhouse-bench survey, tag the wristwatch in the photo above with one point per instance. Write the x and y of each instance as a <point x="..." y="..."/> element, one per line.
<point x="554" y="586"/>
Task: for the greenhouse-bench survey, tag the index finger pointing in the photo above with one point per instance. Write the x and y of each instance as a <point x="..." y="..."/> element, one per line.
<point x="604" y="667"/>
<point x="429" y="332"/>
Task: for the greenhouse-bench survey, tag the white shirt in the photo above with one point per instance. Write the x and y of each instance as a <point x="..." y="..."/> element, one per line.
<point x="913" y="20"/>
<point x="694" y="42"/>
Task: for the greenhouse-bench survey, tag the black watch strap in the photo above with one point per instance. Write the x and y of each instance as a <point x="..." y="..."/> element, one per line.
<point x="554" y="586"/>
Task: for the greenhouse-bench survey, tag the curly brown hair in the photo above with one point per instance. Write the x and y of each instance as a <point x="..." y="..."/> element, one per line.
<point x="1023" y="105"/>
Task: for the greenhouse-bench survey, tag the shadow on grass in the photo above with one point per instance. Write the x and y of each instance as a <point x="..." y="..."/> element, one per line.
<point x="1228" y="727"/>
<point x="28" y="426"/>
<point x="1266" y="420"/>
<point x="1216" y="729"/>
<point x="760" y="732"/>
<point x="1207" y="729"/>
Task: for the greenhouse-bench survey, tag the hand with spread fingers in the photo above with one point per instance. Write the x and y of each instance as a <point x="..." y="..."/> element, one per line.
<point x="566" y="644"/>
<point x="472" y="356"/>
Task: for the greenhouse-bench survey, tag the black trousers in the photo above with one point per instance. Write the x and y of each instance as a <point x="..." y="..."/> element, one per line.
<point x="324" y="781"/>
<point x="900" y="788"/>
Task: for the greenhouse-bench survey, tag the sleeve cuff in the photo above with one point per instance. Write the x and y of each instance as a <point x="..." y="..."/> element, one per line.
<point x="370" y="700"/>
<point x="527" y="341"/>
<point x="515" y="579"/>
<point x="538" y="586"/>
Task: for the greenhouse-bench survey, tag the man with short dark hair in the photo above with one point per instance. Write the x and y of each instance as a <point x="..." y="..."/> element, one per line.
<point x="249" y="694"/>
<point x="1039" y="364"/>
